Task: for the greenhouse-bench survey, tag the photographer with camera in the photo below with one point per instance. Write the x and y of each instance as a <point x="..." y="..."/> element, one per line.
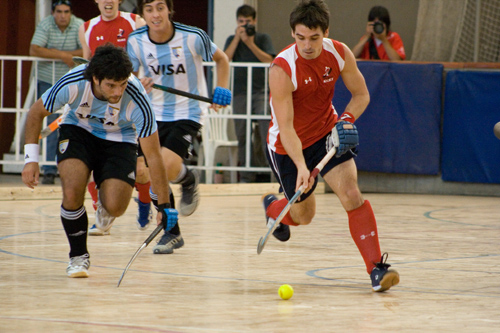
<point x="247" y="45"/>
<point x="379" y="42"/>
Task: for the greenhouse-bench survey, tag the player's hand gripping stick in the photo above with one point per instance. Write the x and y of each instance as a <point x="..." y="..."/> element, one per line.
<point x="314" y="173"/>
<point x="344" y="137"/>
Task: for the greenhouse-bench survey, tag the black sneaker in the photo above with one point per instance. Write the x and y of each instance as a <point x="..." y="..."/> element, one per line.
<point x="282" y="231"/>
<point x="48" y="179"/>
<point x="382" y="277"/>
<point x="189" y="196"/>
<point x="167" y="243"/>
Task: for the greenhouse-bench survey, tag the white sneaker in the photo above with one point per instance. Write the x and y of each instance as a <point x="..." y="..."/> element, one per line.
<point x="94" y="231"/>
<point x="78" y="266"/>
<point x="103" y="220"/>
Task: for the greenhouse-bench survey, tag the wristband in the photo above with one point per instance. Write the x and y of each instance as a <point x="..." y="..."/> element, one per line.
<point x="31" y="151"/>
<point x="347" y="116"/>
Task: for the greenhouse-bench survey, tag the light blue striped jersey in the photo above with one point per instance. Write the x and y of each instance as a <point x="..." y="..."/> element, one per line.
<point x="124" y="121"/>
<point x="178" y="64"/>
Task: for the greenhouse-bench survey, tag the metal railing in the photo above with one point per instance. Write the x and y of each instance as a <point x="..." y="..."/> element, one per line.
<point x="24" y="101"/>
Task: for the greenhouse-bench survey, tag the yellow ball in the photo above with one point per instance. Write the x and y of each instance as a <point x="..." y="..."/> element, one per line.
<point x="286" y="291"/>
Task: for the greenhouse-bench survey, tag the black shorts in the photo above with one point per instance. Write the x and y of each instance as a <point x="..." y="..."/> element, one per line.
<point x="177" y="136"/>
<point x="107" y="159"/>
<point x="286" y="172"/>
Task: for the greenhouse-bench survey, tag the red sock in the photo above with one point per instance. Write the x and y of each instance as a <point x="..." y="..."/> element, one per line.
<point x="363" y="227"/>
<point x="93" y="193"/>
<point x="275" y="209"/>
<point x="143" y="190"/>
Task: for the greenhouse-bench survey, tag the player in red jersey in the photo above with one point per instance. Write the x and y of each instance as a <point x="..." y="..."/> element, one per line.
<point x="305" y="126"/>
<point x="111" y="26"/>
<point x="114" y="26"/>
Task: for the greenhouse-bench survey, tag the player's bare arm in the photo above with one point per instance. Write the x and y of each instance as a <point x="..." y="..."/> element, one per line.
<point x="281" y="91"/>
<point x="86" y="53"/>
<point x="139" y="22"/>
<point x="65" y="56"/>
<point x="222" y="65"/>
<point x="34" y="120"/>
<point x="355" y="83"/>
<point x="159" y="181"/>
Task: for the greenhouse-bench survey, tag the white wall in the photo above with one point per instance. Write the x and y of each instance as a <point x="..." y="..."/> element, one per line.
<point x="224" y="20"/>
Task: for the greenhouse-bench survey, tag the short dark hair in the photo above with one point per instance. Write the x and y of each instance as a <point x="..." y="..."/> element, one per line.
<point x="109" y="62"/>
<point x="141" y="3"/>
<point x="246" y="11"/>
<point x="382" y="14"/>
<point x="312" y="14"/>
<point x="56" y="3"/>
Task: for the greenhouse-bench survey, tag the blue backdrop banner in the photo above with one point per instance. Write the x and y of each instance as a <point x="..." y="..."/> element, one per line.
<point x="400" y="130"/>
<point x="471" y="152"/>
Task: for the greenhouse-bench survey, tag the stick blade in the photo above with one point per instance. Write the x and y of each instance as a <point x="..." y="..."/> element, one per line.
<point x="261" y="245"/>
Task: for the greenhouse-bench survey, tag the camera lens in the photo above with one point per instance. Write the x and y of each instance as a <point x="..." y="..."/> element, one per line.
<point x="250" y="29"/>
<point x="378" y="27"/>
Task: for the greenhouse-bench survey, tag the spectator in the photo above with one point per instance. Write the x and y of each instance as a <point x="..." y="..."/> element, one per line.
<point x="379" y="42"/>
<point x="55" y="37"/>
<point x="248" y="45"/>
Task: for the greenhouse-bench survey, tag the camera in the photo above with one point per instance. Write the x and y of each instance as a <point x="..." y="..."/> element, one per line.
<point x="249" y="29"/>
<point x="378" y="27"/>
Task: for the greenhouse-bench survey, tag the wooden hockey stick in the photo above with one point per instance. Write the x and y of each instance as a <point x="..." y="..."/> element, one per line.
<point x="146" y="243"/>
<point x="314" y="173"/>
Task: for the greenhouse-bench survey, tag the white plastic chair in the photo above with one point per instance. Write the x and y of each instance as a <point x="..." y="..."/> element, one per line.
<point x="214" y="134"/>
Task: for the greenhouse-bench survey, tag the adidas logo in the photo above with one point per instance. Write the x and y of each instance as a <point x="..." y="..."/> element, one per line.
<point x="188" y="138"/>
<point x="150" y="56"/>
<point x="26" y="156"/>
<point x="84" y="105"/>
<point x="131" y="175"/>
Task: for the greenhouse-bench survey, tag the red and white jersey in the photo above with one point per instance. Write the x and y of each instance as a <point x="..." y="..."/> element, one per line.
<point x="99" y="32"/>
<point x="314" y="84"/>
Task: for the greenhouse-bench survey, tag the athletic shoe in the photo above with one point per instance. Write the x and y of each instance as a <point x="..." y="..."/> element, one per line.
<point x="382" y="277"/>
<point x="144" y="214"/>
<point x="78" y="266"/>
<point x="168" y="243"/>
<point x="103" y="220"/>
<point x="282" y="231"/>
<point x="94" y="231"/>
<point x="48" y="179"/>
<point x="190" y="196"/>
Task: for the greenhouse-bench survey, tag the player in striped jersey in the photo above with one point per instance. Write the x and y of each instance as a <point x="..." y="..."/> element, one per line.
<point x="114" y="26"/>
<point x="304" y="122"/>
<point x="172" y="54"/>
<point x="108" y="110"/>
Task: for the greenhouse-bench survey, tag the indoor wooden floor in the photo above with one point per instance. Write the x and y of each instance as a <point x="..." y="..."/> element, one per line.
<point x="446" y="249"/>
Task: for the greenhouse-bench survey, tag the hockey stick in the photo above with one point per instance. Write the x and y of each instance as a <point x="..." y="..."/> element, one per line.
<point x="314" y="173"/>
<point x="51" y="128"/>
<point x="183" y="93"/>
<point x="80" y="60"/>
<point x="146" y="243"/>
